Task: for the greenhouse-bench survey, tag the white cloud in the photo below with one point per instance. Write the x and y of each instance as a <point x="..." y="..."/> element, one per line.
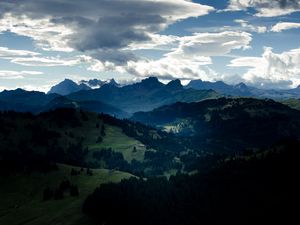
<point x="284" y="26"/>
<point x="157" y="42"/>
<point x="211" y="44"/>
<point x="189" y="60"/>
<point x="29" y="58"/>
<point x="46" y="34"/>
<point x="11" y="74"/>
<point x="46" y="61"/>
<point x="271" y="68"/>
<point x="68" y="25"/>
<point x="41" y="88"/>
<point x="251" y="28"/>
<point x="7" y="53"/>
<point x="266" y="8"/>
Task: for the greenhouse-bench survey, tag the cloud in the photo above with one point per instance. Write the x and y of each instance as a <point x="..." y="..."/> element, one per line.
<point x="47" y="61"/>
<point x="211" y="44"/>
<point x="188" y="61"/>
<point x="29" y="58"/>
<point x="251" y="28"/>
<point x="46" y="34"/>
<point x="68" y="25"/>
<point x="11" y="74"/>
<point x="271" y="69"/>
<point x="11" y="53"/>
<point x="284" y="26"/>
<point x="157" y="42"/>
<point x="266" y="8"/>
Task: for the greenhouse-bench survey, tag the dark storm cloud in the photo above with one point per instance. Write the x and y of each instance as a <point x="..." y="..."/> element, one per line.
<point x="118" y="57"/>
<point x="288" y="3"/>
<point x="105" y="25"/>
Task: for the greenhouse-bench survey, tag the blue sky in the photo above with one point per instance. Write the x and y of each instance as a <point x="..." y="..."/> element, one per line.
<point x="254" y="41"/>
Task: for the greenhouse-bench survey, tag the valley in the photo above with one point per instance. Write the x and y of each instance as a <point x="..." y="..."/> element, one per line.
<point x="76" y="160"/>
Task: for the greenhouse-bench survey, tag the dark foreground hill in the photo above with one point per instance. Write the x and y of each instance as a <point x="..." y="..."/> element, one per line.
<point x="50" y="163"/>
<point x="259" y="188"/>
<point x="35" y="142"/>
<point x="227" y="124"/>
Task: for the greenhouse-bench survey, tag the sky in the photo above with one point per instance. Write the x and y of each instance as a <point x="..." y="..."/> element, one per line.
<point x="42" y="42"/>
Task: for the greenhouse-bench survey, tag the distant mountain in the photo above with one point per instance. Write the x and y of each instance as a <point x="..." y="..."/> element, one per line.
<point x="68" y="86"/>
<point x="24" y="101"/>
<point x="95" y="83"/>
<point x="35" y="102"/>
<point x="246" y="122"/>
<point x="91" y="106"/>
<point x="143" y="96"/>
<point x="242" y="90"/>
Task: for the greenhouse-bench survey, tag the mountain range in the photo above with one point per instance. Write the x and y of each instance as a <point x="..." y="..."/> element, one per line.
<point x="181" y="149"/>
<point x="121" y="101"/>
<point x="110" y="98"/>
<point x="143" y="96"/>
<point x="68" y="86"/>
<point x="243" y="90"/>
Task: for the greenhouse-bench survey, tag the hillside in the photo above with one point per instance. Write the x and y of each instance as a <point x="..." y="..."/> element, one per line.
<point x="259" y="187"/>
<point x="36" y="102"/>
<point x="33" y="142"/>
<point x="24" y="101"/>
<point x="40" y="152"/>
<point x="91" y="106"/>
<point x="22" y="196"/>
<point x="293" y="103"/>
<point x="227" y="124"/>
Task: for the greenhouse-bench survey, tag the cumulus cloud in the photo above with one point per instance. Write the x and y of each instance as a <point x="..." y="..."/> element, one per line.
<point x="157" y="42"/>
<point x="271" y="69"/>
<point x="266" y="8"/>
<point x="11" y="74"/>
<point x="188" y="61"/>
<point x="251" y="28"/>
<point x="212" y="44"/>
<point x="46" y="34"/>
<point x="284" y="26"/>
<point x="66" y="25"/>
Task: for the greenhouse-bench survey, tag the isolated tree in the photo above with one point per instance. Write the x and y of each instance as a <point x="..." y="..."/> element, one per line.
<point x="74" y="190"/>
<point x="103" y="130"/>
<point x="47" y="194"/>
<point x="58" y="194"/>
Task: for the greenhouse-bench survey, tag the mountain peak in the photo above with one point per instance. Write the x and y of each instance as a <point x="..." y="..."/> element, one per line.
<point x="195" y="82"/>
<point x="93" y="83"/>
<point x="67" y="86"/>
<point x="113" y="82"/>
<point x="151" y="82"/>
<point x="241" y="86"/>
<point x="175" y="84"/>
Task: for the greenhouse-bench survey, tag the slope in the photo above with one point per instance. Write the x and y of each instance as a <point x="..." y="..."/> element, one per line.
<point x="227" y="124"/>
